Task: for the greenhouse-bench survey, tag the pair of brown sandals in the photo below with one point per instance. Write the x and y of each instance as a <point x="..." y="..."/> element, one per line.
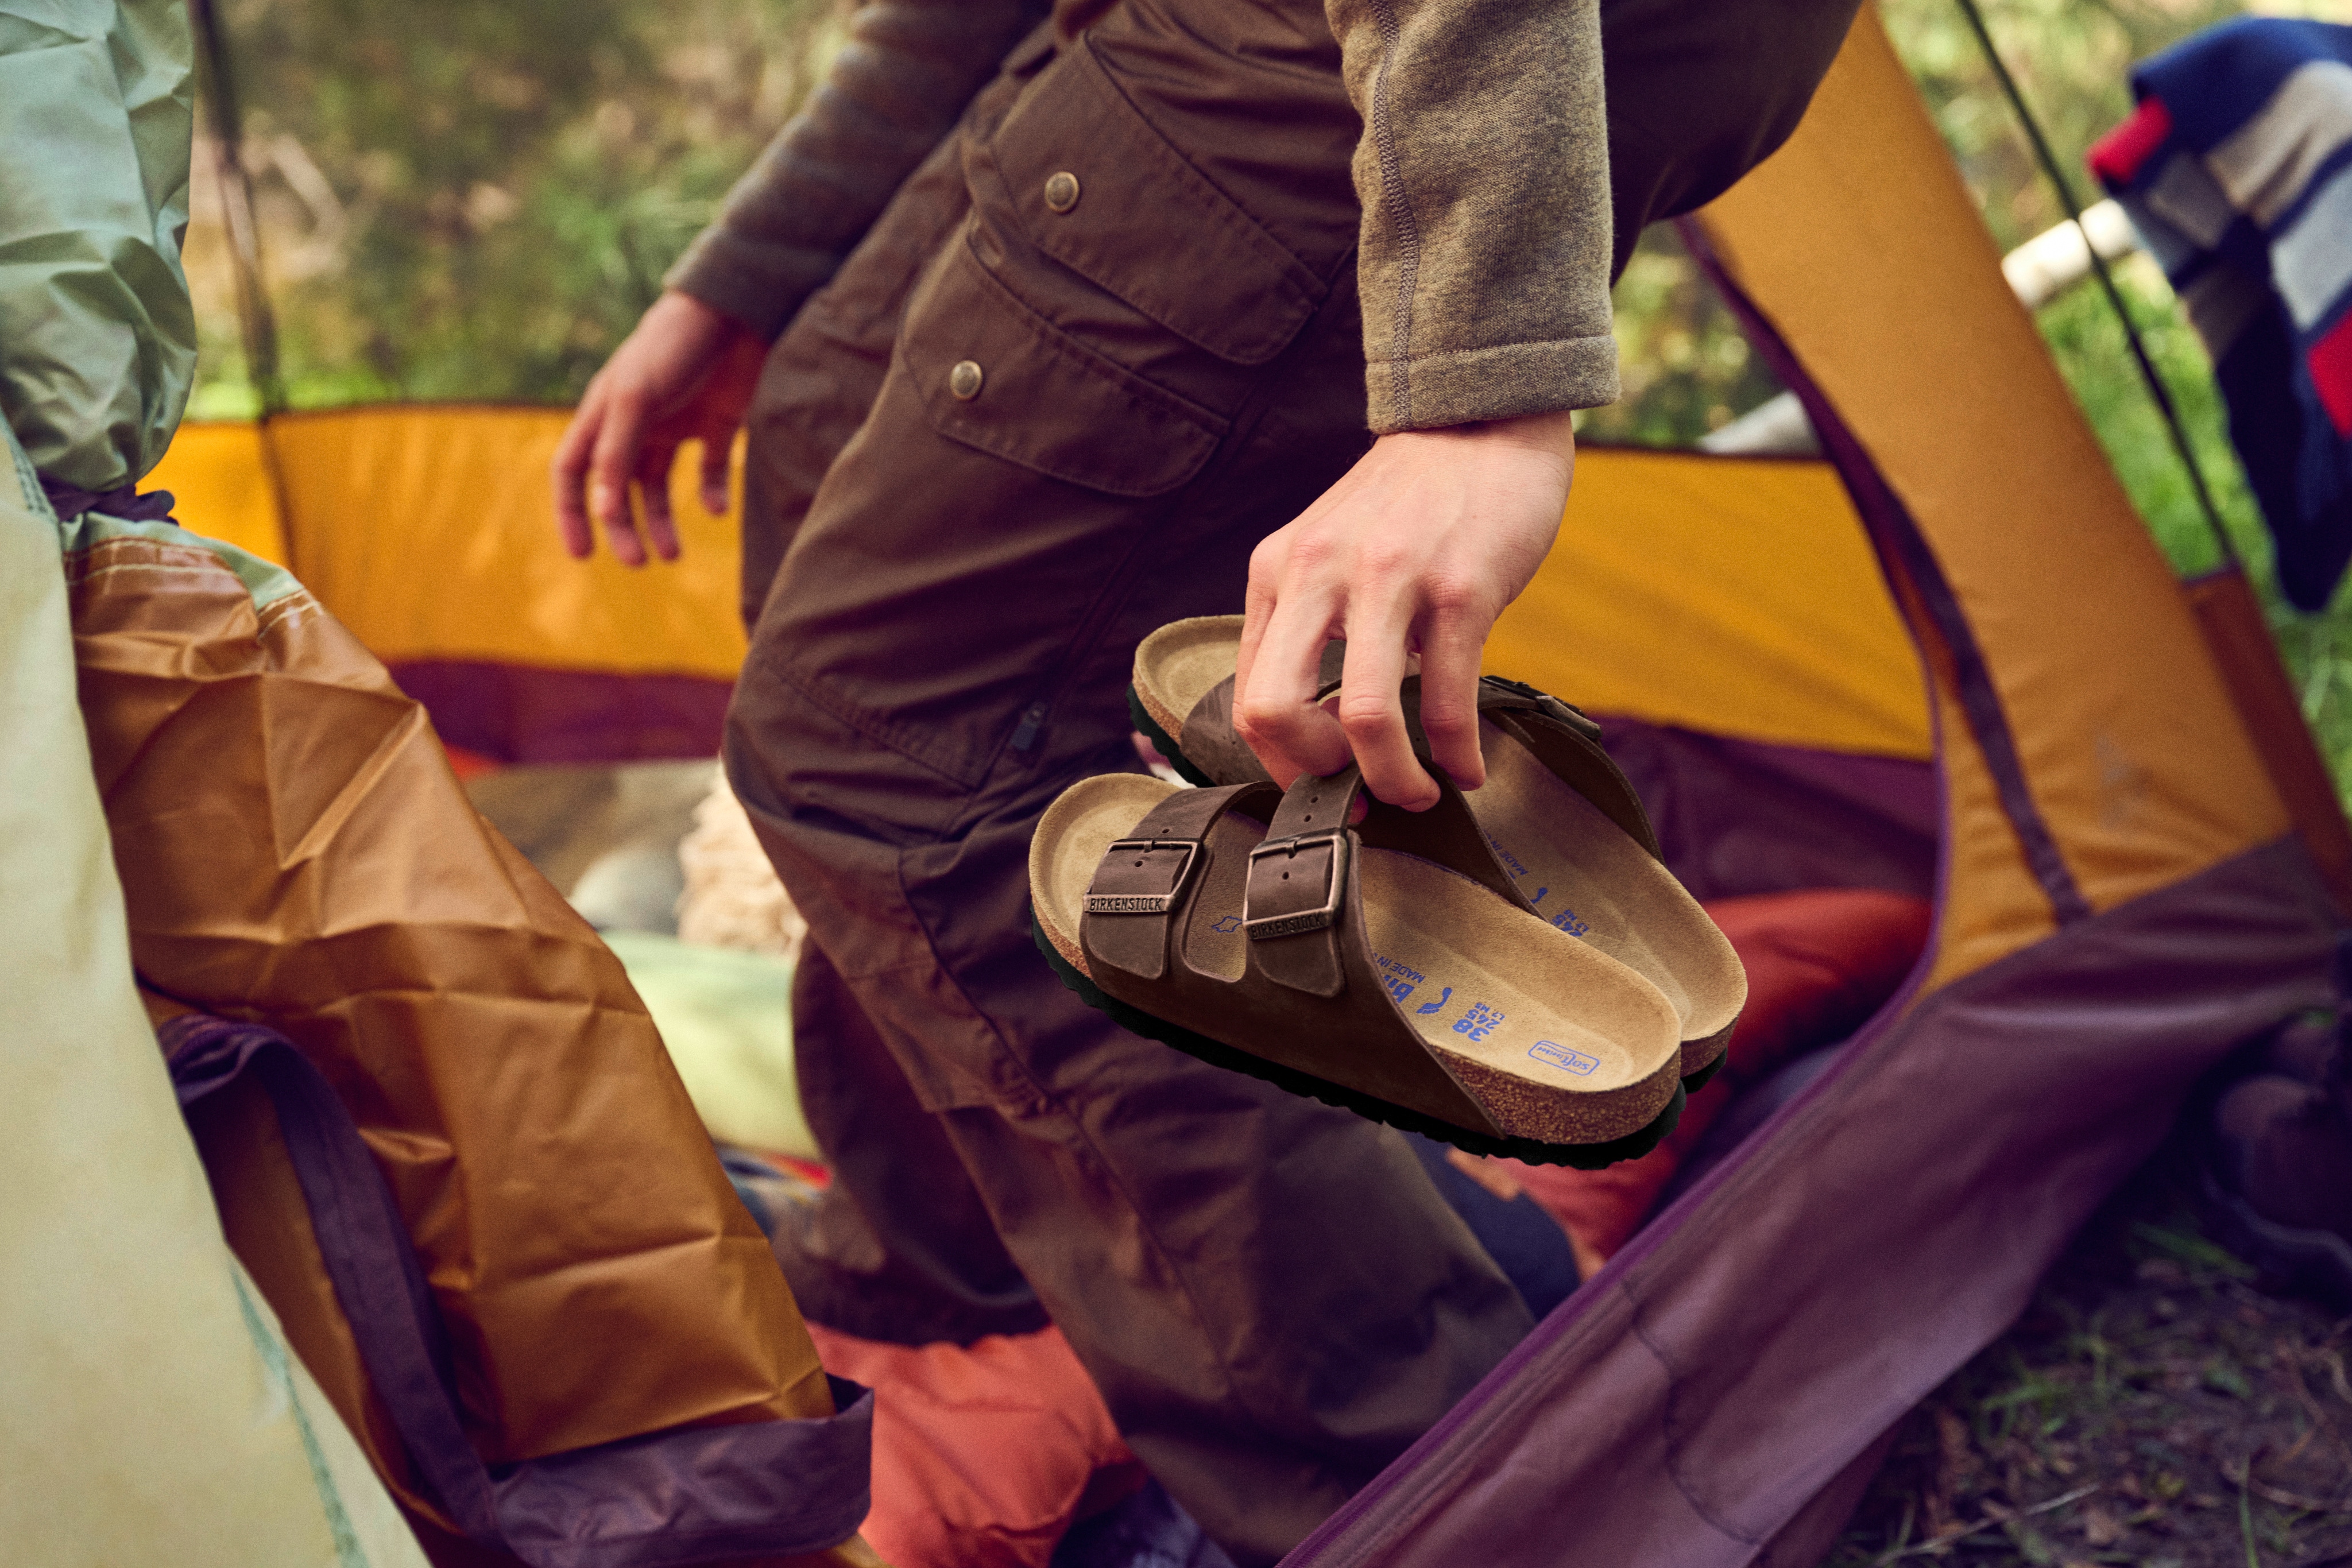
<point x="1514" y="974"/>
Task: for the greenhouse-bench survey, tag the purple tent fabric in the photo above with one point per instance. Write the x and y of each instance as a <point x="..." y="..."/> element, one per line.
<point x="1722" y="1392"/>
<point x="1751" y="1345"/>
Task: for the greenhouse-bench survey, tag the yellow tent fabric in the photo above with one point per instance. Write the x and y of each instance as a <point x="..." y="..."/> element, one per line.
<point x="2131" y="750"/>
<point x="429" y="532"/>
<point x="1737" y="596"/>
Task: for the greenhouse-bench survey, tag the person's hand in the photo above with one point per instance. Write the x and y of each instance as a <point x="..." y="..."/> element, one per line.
<point x="1414" y="553"/>
<point x="686" y="373"/>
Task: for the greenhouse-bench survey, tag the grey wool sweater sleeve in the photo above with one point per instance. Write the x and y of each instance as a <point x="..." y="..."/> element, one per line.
<point x="898" y="85"/>
<point x="1484" y="173"/>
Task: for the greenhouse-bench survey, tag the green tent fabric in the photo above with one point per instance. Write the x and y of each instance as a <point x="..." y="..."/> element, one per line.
<point x="726" y="1018"/>
<point x="98" y="339"/>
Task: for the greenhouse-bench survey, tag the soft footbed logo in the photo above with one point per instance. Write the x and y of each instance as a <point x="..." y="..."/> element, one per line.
<point x="1553" y="1054"/>
<point x="1566" y="919"/>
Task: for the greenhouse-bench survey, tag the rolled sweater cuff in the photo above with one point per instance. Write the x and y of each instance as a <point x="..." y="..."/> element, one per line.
<point x="759" y="284"/>
<point x="1500" y="382"/>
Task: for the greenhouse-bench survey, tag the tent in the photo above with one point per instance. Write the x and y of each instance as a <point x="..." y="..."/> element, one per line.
<point x="1945" y="658"/>
<point x="2121" y="893"/>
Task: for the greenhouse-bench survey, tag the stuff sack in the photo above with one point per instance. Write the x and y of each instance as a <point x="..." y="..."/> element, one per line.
<point x="295" y="853"/>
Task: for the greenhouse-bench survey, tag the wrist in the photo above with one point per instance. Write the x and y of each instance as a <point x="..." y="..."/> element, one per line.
<point x="704" y="321"/>
<point x="1551" y="436"/>
<point x="1554" y="433"/>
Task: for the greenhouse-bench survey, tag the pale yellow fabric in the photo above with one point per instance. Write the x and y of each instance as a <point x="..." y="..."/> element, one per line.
<point x="2130" y="744"/>
<point x="153" y="1413"/>
<point x="727" y="1020"/>
<point x="1737" y="596"/>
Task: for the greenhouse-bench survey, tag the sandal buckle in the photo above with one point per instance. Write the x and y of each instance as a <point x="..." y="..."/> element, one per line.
<point x="1550" y="706"/>
<point x="1146" y="902"/>
<point x="1262" y="928"/>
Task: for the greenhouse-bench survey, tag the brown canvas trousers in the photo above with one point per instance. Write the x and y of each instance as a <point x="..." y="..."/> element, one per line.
<point x="985" y="461"/>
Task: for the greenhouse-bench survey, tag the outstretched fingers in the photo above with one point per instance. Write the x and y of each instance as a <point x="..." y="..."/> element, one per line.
<point x="617" y="454"/>
<point x="654" y="462"/>
<point x="717" y="452"/>
<point x="569" y="472"/>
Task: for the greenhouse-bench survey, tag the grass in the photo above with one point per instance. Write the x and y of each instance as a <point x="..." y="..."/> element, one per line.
<point x="2152" y="1406"/>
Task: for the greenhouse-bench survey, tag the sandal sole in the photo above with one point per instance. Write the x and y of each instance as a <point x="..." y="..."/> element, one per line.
<point x="1578" y="1156"/>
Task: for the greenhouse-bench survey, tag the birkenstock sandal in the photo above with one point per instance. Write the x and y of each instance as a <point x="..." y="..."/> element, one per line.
<point x="1256" y="930"/>
<point x="1557" y="814"/>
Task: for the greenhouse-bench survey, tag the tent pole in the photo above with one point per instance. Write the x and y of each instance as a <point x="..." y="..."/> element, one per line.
<point x="260" y="328"/>
<point x="257" y="325"/>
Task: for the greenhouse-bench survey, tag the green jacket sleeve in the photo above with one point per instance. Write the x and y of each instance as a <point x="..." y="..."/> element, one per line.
<point x="97" y="339"/>
<point x="899" y="85"/>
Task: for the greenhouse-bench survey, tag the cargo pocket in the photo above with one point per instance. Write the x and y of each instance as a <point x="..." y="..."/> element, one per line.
<point x="996" y="376"/>
<point x="1091" y="185"/>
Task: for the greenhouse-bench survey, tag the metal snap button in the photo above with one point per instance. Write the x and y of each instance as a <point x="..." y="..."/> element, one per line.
<point x="1061" y="191"/>
<point x="964" y="380"/>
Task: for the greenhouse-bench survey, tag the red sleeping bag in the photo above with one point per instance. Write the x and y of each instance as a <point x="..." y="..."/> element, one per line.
<point x="983" y="1454"/>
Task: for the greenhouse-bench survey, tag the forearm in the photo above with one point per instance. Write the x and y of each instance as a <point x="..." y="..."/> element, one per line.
<point x="1484" y="173"/>
<point x="898" y="85"/>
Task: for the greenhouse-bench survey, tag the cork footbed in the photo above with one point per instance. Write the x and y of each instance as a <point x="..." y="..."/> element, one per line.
<point x="1560" y="1041"/>
<point x="1176" y="665"/>
<point x="1587" y="876"/>
<point x="1578" y="868"/>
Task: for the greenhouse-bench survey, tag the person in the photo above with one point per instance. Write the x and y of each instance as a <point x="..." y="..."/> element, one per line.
<point x="1047" y="330"/>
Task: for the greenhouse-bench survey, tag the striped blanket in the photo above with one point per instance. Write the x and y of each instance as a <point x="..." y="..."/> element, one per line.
<point x="2237" y="170"/>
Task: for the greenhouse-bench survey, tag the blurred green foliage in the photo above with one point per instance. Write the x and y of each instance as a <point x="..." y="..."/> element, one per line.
<point x="461" y="200"/>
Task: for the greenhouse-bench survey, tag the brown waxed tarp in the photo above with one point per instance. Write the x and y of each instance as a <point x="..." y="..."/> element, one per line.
<point x="2121" y="902"/>
<point x="295" y="850"/>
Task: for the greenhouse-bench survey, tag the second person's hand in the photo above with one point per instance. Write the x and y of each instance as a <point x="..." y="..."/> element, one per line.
<point x="685" y="373"/>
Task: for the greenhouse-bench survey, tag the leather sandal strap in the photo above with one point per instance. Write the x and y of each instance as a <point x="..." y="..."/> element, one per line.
<point x="1293" y="1003"/>
<point x="1295" y="901"/>
<point x="1214" y="746"/>
<point x="1146" y="879"/>
<point x="1567" y="743"/>
<point x="1560" y="736"/>
<point x="1297" y="906"/>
